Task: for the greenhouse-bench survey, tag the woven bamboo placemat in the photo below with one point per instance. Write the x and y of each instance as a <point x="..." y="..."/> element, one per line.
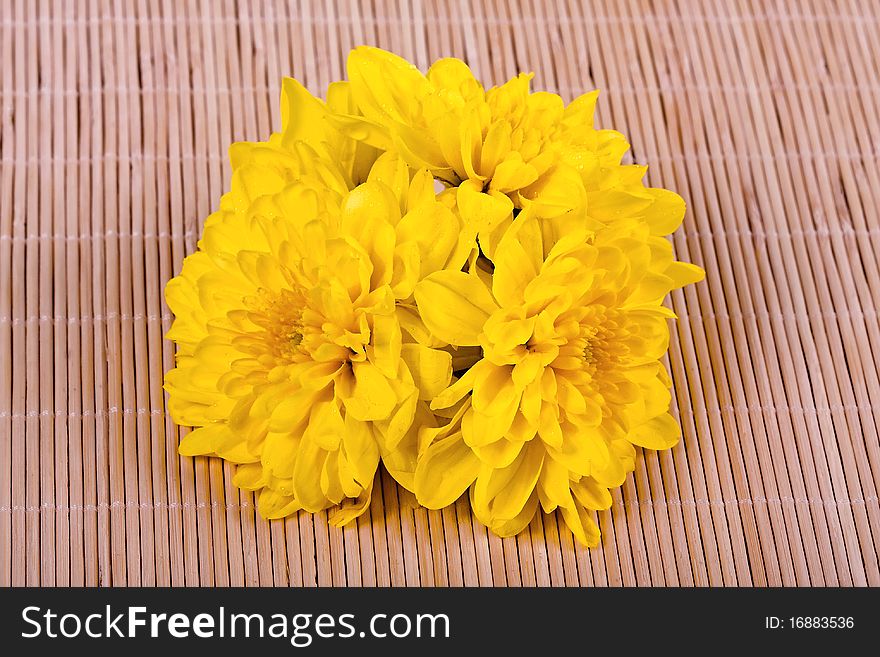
<point x="115" y="117"/>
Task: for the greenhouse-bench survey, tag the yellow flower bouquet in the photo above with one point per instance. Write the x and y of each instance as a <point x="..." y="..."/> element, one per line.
<point x="465" y="285"/>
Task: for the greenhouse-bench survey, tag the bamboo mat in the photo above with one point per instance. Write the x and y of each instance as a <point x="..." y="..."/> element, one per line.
<point x="116" y="117"/>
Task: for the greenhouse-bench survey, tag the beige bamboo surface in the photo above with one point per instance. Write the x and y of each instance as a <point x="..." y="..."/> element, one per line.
<point x="115" y="118"/>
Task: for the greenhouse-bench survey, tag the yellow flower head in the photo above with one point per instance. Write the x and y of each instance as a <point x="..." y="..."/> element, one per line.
<point x="294" y="322"/>
<point x="570" y="378"/>
<point x="501" y="149"/>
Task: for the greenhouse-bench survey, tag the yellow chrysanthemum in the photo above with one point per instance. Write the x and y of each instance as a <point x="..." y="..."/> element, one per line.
<point x="501" y="149"/>
<point x="335" y="292"/>
<point x="294" y="325"/>
<point x="570" y="378"/>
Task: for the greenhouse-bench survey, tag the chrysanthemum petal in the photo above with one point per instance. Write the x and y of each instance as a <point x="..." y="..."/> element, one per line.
<point x="518" y="260"/>
<point x="385" y="347"/>
<point x="591" y="495"/>
<point x="326" y="425"/>
<point x="273" y="504"/>
<point x="499" y="453"/>
<point x="580" y="111"/>
<point x="361" y="449"/>
<point x="303" y="115"/>
<point x="481" y="210"/>
<point x="369" y="214"/>
<point x="435" y="230"/>
<point x="383" y="84"/>
<point x="665" y="214"/>
<point x="306" y="480"/>
<point x="661" y="432"/>
<point x="352" y="508"/>
<point x="684" y="273"/>
<point x="392" y="171"/>
<point x="431" y="369"/>
<point x="452" y="73"/>
<point x="511" y="526"/>
<point x="496" y="145"/>
<point x="372" y="397"/>
<point x="480" y="429"/>
<point x="494" y="390"/>
<point x="556" y="192"/>
<point x="508" y="490"/>
<point x="610" y="205"/>
<point x="201" y="441"/>
<point x="584" y="528"/>
<point x="444" y="472"/>
<point x="454" y="306"/>
<point x="554" y="485"/>
<point x="250" y="477"/>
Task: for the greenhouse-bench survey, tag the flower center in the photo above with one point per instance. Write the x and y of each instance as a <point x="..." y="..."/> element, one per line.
<point x="598" y="340"/>
<point x="278" y="314"/>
